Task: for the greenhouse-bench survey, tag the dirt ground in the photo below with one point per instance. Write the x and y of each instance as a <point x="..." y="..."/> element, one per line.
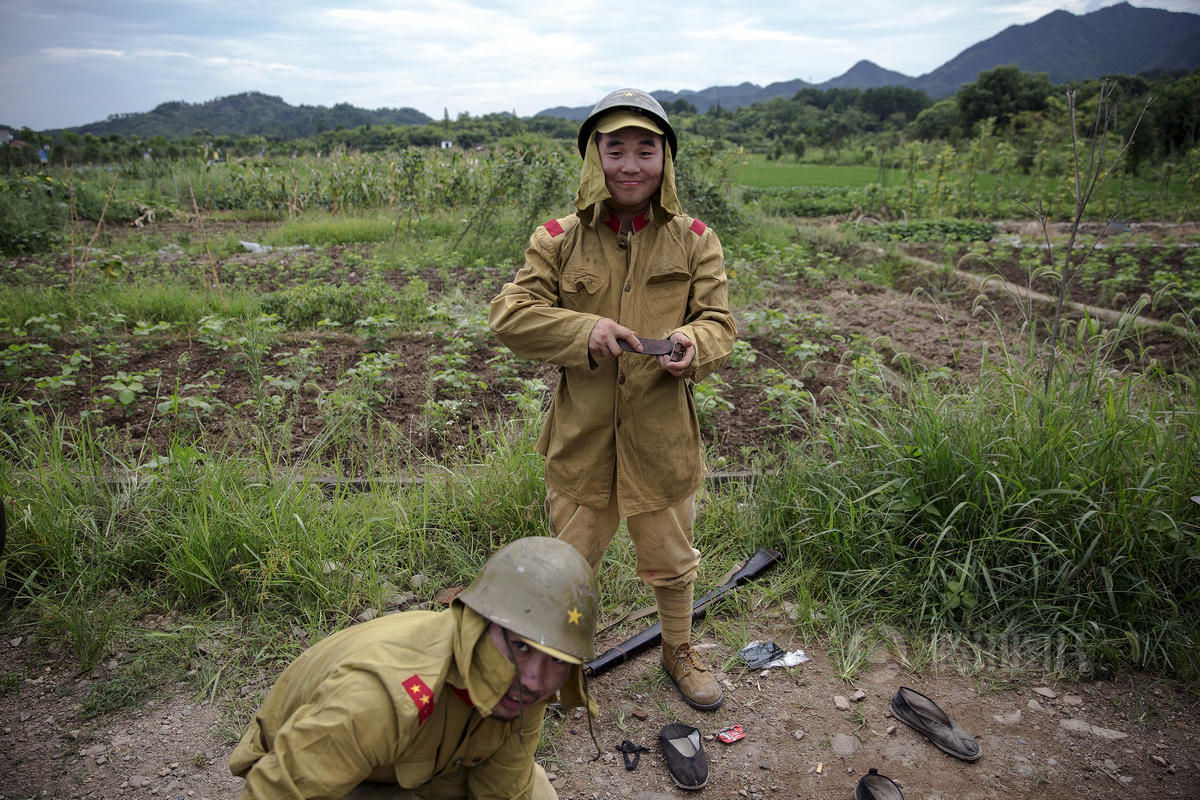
<point x="1040" y="736"/>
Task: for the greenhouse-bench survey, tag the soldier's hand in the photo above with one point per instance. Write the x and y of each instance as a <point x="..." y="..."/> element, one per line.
<point x="678" y="367"/>
<point x="605" y="339"/>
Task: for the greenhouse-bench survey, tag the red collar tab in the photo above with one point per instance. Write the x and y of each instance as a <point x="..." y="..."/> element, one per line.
<point x="421" y="696"/>
<point x="463" y="695"/>
<point x="641" y="220"/>
<point x="553" y="228"/>
<point x="698" y="227"/>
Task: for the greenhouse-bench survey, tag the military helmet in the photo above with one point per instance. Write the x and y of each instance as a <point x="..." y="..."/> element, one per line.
<point x="543" y="590"/>
<point x="631" y="100"/>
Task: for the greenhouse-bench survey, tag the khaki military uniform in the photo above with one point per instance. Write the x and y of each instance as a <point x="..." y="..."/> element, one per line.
<point x="404" y="699"/>
<point x="625" y="419"/>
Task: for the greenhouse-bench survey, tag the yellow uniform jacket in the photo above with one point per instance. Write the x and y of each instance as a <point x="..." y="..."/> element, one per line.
<point x="402" y="699"/>
<point x="623" y="416"/>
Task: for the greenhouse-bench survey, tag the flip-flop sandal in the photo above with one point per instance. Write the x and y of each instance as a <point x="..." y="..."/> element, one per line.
<point x="925" y="717"/>
<point x="631" y="753"/>
<point x="874" y="786"/>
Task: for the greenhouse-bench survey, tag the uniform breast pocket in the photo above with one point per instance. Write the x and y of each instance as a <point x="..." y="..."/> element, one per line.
<point x="582" y="287"/>
<point x="668" y="284"/>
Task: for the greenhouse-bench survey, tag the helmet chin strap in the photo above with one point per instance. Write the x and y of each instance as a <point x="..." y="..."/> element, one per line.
<point x="520" y="689"/>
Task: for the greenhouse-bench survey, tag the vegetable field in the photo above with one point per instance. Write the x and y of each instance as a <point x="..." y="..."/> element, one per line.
<point x="205" y="364"/>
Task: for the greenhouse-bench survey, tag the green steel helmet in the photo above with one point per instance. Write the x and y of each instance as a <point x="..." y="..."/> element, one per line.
<point x="631" y="101"/>
<point x="543" y="590"/>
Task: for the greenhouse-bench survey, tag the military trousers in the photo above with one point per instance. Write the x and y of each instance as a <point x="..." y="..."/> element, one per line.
<point x="663" y="539"/>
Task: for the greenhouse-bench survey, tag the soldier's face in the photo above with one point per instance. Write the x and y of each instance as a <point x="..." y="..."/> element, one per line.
<point x="539" y="674"/>
<point x="632" y="159"/>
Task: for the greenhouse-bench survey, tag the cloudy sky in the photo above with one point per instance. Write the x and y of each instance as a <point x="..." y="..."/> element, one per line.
<point x="70" y="62"/>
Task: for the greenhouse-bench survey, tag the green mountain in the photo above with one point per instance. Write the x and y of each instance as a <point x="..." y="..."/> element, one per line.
<point x="1118" y="40"/>
<point x="249" y="113"/>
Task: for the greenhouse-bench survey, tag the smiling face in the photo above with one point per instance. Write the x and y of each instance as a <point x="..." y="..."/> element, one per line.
<point x="632" y="159"/>
<point x="539" y="674"/>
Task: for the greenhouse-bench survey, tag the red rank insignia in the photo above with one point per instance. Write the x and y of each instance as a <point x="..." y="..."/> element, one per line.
<point x="421" y="696"/>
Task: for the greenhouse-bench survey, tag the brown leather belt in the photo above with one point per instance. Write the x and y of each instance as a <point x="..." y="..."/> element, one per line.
<point x="656" y="347"/>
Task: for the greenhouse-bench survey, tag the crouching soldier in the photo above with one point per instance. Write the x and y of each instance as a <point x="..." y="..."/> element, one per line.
<point x="448" y="703"/>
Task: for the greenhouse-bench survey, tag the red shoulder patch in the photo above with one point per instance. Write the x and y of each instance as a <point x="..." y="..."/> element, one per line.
<point x="421" y="696"/>
<point x="698" y="227"/>
<point x="553" y="227"/>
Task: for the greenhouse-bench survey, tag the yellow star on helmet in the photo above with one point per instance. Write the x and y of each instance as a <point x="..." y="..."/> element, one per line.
<point x="573" y="616"/>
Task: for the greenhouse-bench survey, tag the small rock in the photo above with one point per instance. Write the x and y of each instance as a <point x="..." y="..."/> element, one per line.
<point x="891" y="729"/>
<point x="1082" y="726"/>
<point x="845" y="745"/>
<point x="551" y="776"/>
<point x="1045" y="692"/>
<point x="1072" y="699"/>
<point x="397" y="600"/>
<point x="858" y="696"/>
<point x="798" y="735"/>
<point x="641" y="713"/>
<point x="841" y="703"/>
<point x="1052" y="761"/>
<point x="1034" y="705"/>
<point x="1111" y="765"/>
<point x="112" y="665"/>
<point x="1127" y="779"/>
<point x="1162" y="762"/>
<point x="446" y="596"/>
<point x="15" y="641"/>
<point x="417" y="581"/>
<point x="138" y="781"/>
<point x="1024" y="769"/>
<point x="1011" y="718"/>
<point x="764" y="766"/>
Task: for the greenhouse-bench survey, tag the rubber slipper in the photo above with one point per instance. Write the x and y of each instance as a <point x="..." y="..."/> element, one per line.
<point x="684" y="755"/>
<point x="874" y="786"/>
<point x="925" y="717"/>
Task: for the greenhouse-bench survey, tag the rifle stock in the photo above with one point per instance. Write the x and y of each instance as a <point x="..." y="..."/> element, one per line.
<point x="754" y="566"/>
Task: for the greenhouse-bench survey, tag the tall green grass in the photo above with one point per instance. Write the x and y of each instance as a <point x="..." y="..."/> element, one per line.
<point x="1002" y="513"/>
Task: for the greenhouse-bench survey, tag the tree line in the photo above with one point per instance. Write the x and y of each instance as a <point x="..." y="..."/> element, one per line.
<point x="1020" y="106"/>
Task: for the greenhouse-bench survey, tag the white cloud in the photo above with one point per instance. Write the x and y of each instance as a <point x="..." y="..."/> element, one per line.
<point x="68" y="53"/>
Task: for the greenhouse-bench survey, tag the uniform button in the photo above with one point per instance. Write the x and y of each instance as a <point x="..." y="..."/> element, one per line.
<point x="628" y="287"/>
<point x="618" y="422"/>
<point x="621" y="378"/>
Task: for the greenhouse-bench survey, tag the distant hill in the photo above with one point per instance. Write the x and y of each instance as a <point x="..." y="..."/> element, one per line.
<point x="1118" y="40"/>
<point x="249" y="113"/>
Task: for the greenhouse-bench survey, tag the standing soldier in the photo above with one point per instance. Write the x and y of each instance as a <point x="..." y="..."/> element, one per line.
<point x="449" y="702"/>
<point x="621" y="439"/>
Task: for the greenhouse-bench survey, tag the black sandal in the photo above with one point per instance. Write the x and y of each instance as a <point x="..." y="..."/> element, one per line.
<point x="631" y="753"/>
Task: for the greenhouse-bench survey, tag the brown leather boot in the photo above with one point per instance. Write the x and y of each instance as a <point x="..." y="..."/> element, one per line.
<point x="696" y="683"/>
